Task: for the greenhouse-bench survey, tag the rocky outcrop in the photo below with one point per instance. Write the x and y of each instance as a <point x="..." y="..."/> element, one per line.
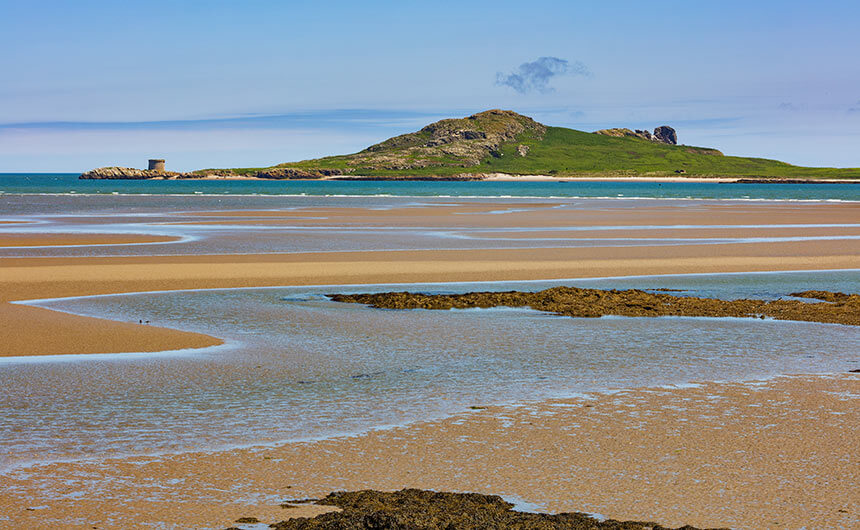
<point x="431" y="510"/>
<point x="663" y="134"/>
<point x="621" y="132"/>
<point x="666" y="135"/>
<point x="455" y="142"/>
<point x="275" y="173"/>
<point x="286" y="173"/>
<point x="838" y="308"/>
<point x="129" y="173"/>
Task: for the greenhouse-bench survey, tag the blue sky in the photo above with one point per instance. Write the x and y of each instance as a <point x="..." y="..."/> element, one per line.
<point x="213" y="84"/>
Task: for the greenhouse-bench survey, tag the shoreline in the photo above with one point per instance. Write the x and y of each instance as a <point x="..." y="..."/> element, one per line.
<point x="506" y="177"/>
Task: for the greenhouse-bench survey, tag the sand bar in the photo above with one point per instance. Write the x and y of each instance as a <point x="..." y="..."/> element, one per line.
<point x="37" y="278"/>
<point x="662" y="233"/>
<point x="502" y="215"/>
<point x="50" y="239"/>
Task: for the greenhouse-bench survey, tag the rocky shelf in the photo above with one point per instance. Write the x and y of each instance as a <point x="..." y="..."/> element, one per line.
<point x="834" y="308"/>
<point x="280" y="173"/>
<point x="430" y="510"/>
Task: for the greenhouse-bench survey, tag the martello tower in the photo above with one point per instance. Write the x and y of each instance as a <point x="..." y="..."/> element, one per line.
<point x="156" y="164"/>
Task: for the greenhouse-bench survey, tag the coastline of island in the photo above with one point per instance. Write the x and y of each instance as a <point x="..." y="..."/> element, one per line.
<point x="138" y="174"/>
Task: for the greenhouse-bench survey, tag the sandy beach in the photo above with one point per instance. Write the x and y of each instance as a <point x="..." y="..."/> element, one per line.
<point x="747" y="455"/>
<point x="744" y="455"/>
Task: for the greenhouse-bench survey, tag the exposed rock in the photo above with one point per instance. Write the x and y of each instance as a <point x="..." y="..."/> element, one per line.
<point x="827" y="296"/>
<point x="276" y="173"/>
<point x="644" y="134"/>
<point x="454" y="142"/>
<point x="413" y="509"/>
<point x="663" y="134"/>
<point x="129" y="173"/>
<point x="666" y="135"/>
<point x="522" y="150"/>
<point x="286" y="173"/>
<point x="621" y="132"/>
<point x="575" y="302"/>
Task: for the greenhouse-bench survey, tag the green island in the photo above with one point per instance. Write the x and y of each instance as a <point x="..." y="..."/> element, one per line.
<point x="502" y="142"/>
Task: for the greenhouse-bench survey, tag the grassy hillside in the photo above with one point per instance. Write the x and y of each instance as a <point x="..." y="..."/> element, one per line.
<point x="506" y="142"/>
<point x="570" y="152"/>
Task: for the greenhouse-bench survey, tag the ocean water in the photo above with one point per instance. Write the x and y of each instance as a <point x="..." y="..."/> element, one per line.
<point x="298" y="366"/>
<point x="68" y="183"/>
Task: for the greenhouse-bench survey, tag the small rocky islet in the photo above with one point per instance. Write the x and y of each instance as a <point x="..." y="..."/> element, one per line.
<point x="832" y="308"/>
<point x="415" y="509"/>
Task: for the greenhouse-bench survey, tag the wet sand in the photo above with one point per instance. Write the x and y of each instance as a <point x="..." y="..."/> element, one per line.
<point x="36" y="240"/>
<point x="549" y="214"/>
<point x="34" y="330"/>
<point x="664" y="233"/>
<point x="779" y="454"/>
<point x="775" y="454"/>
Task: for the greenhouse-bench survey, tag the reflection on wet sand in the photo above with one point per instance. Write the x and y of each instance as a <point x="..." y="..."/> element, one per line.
<point x="734" y="454"/>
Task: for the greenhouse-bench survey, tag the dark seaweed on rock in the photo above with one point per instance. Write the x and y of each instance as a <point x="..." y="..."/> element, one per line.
<point x="837" y="308"/>
<point x="827" y="296"/>
<point x="430" y="510"/>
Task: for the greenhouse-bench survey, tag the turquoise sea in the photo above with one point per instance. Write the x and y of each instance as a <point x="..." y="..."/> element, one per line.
<point x="68" y="183"/>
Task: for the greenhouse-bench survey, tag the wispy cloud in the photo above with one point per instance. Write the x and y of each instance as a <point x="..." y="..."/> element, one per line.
<point x="314" y="119"/>
<point x="855" y="108"/>
<point x="536" y="75"/>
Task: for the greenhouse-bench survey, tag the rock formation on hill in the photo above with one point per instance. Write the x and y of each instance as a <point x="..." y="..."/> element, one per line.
<point x="461" y="142"/>
<point x="666" y="134"/>
<point x="663" y="134"/>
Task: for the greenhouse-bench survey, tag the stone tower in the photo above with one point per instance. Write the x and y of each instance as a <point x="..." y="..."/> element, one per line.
<point x="156" y="164"/>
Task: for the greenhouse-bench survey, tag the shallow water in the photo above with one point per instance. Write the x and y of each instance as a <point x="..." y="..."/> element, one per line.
<point x="298" y="366"/>
<point x="176" y="216"/>
<point x="68" y="183"/>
